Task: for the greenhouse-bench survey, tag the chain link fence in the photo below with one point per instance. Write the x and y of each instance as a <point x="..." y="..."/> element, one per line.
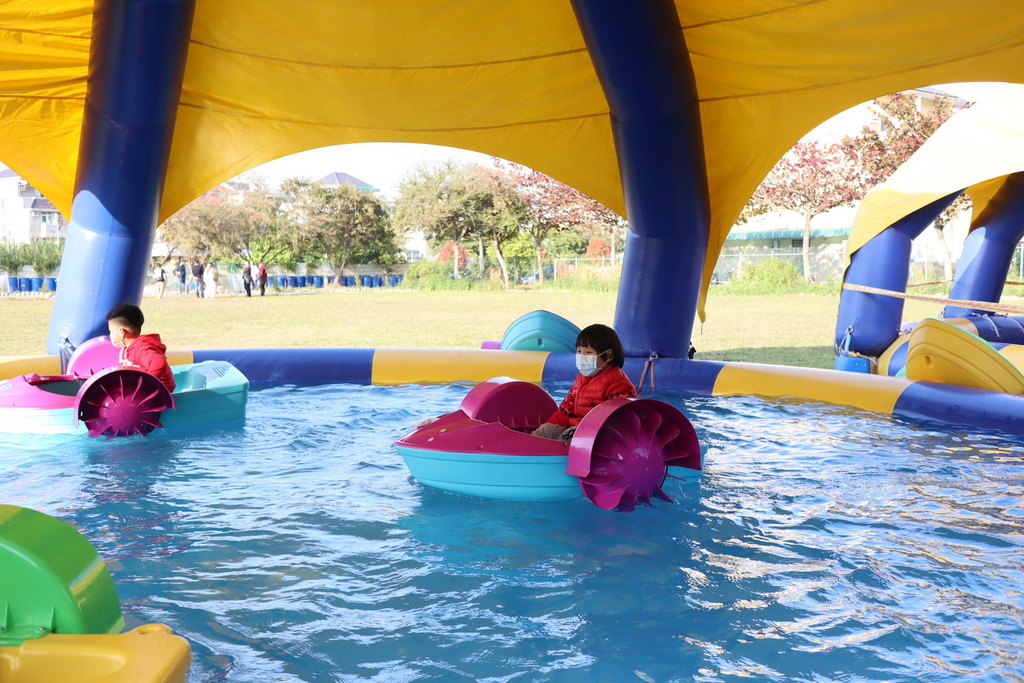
<point x="829" y="266"/>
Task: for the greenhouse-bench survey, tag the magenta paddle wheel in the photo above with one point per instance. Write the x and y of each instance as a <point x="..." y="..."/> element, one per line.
<point x="623" y="448"/>
<point x="121" y="402"/>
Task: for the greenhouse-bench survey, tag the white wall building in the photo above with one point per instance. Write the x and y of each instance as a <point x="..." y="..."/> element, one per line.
<point x="25" y="215"/>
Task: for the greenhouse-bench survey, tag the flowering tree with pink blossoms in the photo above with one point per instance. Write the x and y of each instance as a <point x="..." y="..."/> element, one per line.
<point x="811" y="179"/>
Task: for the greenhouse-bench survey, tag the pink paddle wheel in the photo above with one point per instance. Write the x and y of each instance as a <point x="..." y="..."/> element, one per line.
<point x="623" y="448"/>
<point x="121" y="402"/>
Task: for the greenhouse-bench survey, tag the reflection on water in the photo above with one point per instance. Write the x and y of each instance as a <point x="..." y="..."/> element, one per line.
<point x="821" y="544"/>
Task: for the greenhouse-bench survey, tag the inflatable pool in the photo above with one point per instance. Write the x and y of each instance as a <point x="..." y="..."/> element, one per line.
<point x="618" y="457"/>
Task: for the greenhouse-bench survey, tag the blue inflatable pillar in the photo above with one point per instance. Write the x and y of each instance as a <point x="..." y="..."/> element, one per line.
<point x="644" y="68"/>
<point x="988" y="251"/>
<point x="884" y="262"/>
<point x="136" y="66"/>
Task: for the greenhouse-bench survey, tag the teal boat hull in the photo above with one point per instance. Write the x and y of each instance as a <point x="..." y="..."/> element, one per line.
<point x="488" y="475"/>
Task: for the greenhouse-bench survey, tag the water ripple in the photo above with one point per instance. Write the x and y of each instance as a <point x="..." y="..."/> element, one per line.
<point x="822" y="544"/>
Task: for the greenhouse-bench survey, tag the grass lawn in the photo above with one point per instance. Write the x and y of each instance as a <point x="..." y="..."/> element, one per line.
<point x="782" y="329"/>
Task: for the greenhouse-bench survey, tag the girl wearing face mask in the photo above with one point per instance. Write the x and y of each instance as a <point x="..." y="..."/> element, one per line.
<point x="599" y="358"/>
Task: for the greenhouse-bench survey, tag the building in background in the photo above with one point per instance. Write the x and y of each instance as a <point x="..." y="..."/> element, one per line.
<point x="341" y="178"/>
<point x="26" y="215"/>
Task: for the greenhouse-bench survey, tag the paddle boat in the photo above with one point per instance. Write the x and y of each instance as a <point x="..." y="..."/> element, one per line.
<point x="95" y="396"/>
<point x="619" y="455"/>
<point x="62" y="620"/>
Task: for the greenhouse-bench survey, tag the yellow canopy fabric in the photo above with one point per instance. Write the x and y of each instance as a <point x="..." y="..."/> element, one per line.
<point x="976" y="149"/>
<point x="44" y="59"/>
<point x="266" y="78"/>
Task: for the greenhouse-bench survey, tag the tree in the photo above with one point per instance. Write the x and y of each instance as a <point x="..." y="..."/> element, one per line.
<point x="906" y="125"/>
<point x="598" y="248"/>
<point x="45" y="255"/>
<point x="554" y="206"/>
<point x="815" y="177"/>
<point x="496" y="208"/>
<point x="193" y="229"/>
<point x="436" y="198"/>
<point x="247" y="226"/>
<point x="260" y="230"/>
<point x="448" y="250"/>
<point x="13" y="257"/>
<point x="811" y="179"/>
<point x="340" y="224"/>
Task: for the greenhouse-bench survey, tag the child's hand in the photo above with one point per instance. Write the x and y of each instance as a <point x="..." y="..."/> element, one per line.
<point x="425" y="421"/>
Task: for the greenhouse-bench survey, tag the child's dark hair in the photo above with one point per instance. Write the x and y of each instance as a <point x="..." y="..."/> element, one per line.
<point x="128" y="313"/>
<point x="602" y="339"/>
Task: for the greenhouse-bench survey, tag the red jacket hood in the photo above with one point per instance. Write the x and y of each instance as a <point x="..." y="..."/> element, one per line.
<point x="150" y="340"/>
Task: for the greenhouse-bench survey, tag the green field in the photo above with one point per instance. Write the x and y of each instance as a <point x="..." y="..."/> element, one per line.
<point x="783" y="329"/>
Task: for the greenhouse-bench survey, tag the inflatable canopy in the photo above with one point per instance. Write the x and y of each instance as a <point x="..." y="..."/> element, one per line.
<point x="122" y="111"/>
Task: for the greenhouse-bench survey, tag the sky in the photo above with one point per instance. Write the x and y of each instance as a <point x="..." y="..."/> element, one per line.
<point x="380" y="164"/>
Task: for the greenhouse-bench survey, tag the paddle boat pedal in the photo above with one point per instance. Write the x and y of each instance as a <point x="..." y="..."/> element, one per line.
<point x="619" y="456"/>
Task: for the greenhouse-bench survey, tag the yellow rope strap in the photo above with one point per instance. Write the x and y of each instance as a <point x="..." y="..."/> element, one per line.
<point x="981" y="305"/>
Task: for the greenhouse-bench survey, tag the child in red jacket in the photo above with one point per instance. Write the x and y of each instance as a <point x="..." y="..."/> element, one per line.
<point x="142" y="351"/>
<point x="599" y="358"/>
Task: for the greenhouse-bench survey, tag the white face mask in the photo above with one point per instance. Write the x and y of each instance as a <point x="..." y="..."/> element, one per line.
<point x="586" y="364"/>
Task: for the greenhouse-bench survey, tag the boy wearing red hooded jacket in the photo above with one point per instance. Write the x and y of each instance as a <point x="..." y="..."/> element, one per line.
<point x="142" y="351"/>
<point x="599" y="358"/>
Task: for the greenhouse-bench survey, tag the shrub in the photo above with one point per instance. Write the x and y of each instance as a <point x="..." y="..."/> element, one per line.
<point x="435" y="276"/>
<point x="586" y="280"/>
<point x="13" y="257"/>
<point x="769" y="276"/>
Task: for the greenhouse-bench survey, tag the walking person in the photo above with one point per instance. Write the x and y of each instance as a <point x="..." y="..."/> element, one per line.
<point x="160" y="280"/>
<point x="247" y="278"/>
<point x="197" y="277"/>
<point x="182" y="274"/>
<point x="211" y="276"/>
<point x="262" y="275"/>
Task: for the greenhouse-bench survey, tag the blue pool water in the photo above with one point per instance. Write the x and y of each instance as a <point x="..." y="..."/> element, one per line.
<point x="822" y="544"/>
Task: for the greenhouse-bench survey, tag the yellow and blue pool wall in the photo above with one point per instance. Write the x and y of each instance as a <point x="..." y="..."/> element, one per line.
<point x="896" y="396"/>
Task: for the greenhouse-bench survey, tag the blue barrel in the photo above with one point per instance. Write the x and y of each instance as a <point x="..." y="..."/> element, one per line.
<point x="51" y="284"/>
<point x="282" y="281"/>
<point x="367" y="281"/>
<point x="37" y="284"/>
<point x="318" y="280"/>
<point x="12" y="284"/>
<point x="300" y="281"/>
<point x="24" y="284"/>
<point x="330" y="279"/>
<point x="350" y="280"/>
<point x="393" y="280"/>
<point x="293" y="281"/>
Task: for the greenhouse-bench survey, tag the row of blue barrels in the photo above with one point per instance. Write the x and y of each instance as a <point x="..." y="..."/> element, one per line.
<point x="31" y="284"/>
<point x="301" y="280"/>
<point x="293" y="281"/>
